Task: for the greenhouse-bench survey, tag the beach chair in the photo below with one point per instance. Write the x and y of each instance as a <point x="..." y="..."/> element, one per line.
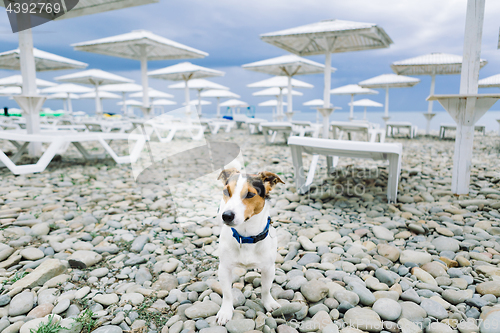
<point x="304" y="128"/>
<point x="58" y="140"/>
<point x="214" y="125"/>
<point x="165" y="132"/>
<point x="273" y="128"/>
<point x="371" y="132"/>
<point x="453" y="127"/>
<point x="391" y="152"/>
<point x="390" y="126"/>
<point x="253" y="125"/>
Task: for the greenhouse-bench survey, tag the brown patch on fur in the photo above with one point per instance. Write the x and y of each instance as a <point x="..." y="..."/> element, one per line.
<point x="226" y="174"/>
<point x="253" y="205"/>
<point x="270" y="180"/>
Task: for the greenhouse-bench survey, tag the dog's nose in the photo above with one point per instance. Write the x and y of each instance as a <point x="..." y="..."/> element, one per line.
<point x="228" y="216"/>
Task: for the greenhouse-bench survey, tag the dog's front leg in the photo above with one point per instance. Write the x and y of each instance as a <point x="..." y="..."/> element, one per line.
<point x="267" y="281"/>
<point x="226" y="310"/>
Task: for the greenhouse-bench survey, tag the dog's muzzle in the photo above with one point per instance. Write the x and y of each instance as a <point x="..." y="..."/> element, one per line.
<point x="228" y="217"/>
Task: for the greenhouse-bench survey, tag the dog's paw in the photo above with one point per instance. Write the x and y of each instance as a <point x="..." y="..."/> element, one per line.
<point x="224" y="315"/>
<point x="271" y="305"/>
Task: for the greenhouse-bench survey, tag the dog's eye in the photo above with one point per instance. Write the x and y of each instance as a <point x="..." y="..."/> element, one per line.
<point x="226" y="192"/>
<point x="249" y="195"/>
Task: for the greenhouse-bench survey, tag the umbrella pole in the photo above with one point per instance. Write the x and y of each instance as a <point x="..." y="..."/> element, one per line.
<point x="467" y="116"/>
<point x="429" y="115"/>
<point x="70" y="106"/>
<point x="124" y="106"/>
<point x="280" y="106"/>
<point x="364" y="114"/>
<point x="289" y="97"/>
<point x="98" y="106"/>
<point x="186" y="96"/>
<point x="218" y="107"/>
<point x="386" y="112"/>
<point x="328" y="79"/>
<point x="351" y="112"/>
<point x="144" y="79"/>
<point x="199" y="102"/>
<point x="31" y="104"/>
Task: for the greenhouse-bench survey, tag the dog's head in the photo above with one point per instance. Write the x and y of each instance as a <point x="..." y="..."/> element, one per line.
<point x="245" y="194"/>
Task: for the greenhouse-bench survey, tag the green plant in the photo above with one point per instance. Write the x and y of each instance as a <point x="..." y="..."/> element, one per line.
<point x="18" y="276"/>
<point x="178" y="239"/>
<point x="51" y="326"/>
<point x="85" y="318"/>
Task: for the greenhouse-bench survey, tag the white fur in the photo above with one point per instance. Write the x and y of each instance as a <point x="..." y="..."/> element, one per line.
<point x="261" y="255"/>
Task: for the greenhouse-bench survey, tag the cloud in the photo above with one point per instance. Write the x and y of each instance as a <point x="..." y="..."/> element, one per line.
<point x="229" y="31"/>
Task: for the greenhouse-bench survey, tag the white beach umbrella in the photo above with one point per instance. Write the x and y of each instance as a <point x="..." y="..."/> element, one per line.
<point x="69" y="89"/>
<point x="162" y="102"/>
<point x="366" y="103"/>
<point x="122" y="88"/>
<point x="153" y="93"/>
<point x="352" y="89"/>
<point x="234" y="104"/>
<point x="386" y="81"/>
<point x="140" y="45"/>
<point x="490" y="82"/>
<point x="280" y="82"/>
<point x="218" y="93"/>
<point x="199" y="85"/>
<point x="199" y="102"/>
<point x="44" y="61"/>
<point x="184" y="71"/>
<point x="9" y="91"/>
<point x="271" y="102"/>
<point x="95" y="77"/>
<point x="288" y="65"/>
<point x="102" y="95"/>
<point x="130" y="102"/>
<point x="431" y="64"/>
<point x="327" y="37"/>
<point x="17" y="81"/>
<point x="66" y="97"/>
<point x="276" y="92"/>
<point x="31" y="103"/>
<point x="318" y="103"/>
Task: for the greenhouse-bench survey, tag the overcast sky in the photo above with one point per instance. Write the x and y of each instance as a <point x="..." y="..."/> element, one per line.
<point x="229" y="31"/>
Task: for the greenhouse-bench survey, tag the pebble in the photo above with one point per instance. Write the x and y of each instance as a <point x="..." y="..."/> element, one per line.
<point x="387" y="309"/>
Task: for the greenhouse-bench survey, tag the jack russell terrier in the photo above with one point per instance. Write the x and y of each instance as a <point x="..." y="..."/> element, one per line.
<point x="247" y="238"/>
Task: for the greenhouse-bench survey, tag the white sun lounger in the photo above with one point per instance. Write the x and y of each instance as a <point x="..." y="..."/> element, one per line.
<point x="355" y="149"/>
<point x="390" y="126"/>
<point x="194" y="131"/>
<point x="453" y="127"/>
<point x="214" y="125"/>
<point x="302" y="128"/>
<point x="275" y="128"/>
<point x="253" y="125"/>
<point x="59" y="139"/>
<point x="370" y="131"/>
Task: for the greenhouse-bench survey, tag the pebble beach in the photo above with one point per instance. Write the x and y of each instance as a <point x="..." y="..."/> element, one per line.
<point x="86" y="243"/>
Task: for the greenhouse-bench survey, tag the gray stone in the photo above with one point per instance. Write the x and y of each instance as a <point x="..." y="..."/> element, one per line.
<point x="21" y="303"/>
<point x="434" y="309"/>
<point x="240" y="325"/>
<point x="202" y="310"/>
<point x="387" y="309"/>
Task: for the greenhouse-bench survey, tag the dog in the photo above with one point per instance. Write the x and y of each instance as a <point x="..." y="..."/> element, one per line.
<point x="247" y="238"/>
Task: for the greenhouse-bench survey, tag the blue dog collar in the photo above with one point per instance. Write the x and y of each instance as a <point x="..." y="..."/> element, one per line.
<point x="252" y="239"/>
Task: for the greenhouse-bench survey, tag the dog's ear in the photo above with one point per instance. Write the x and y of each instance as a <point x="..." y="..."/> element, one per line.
<point x="270" y="180"/>
<point x="226" y="174"/>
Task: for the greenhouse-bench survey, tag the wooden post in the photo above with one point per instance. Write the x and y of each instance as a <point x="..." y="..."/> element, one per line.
<point x="328" y="79"/>
<point x="468" y="85"/>
<point x="386" y="112"/>
<point x="144" y="77"/>
<point x="289" y="106"/>
<point x="433" y="86"/>
<point x="28" y="73"/>
<point x="351" y="111"/>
